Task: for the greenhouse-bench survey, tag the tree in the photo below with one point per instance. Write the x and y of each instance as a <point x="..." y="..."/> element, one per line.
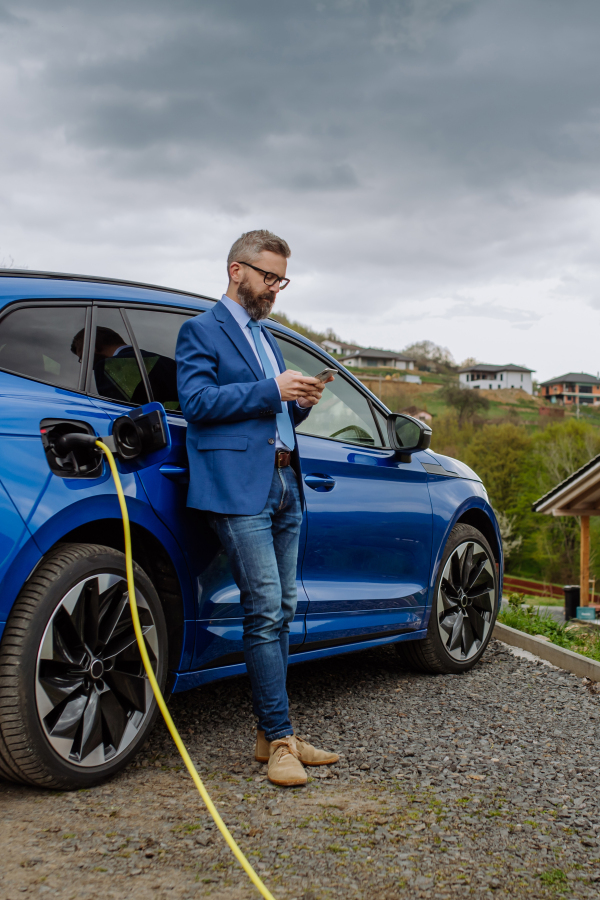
<point x="497" y="453"/>
<point x="466" y="402"/>
<point x="426" y="353"/>
<point x="510" y="541"/>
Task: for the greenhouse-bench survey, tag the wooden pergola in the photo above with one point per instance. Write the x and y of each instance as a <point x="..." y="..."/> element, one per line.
<point x="577" y="495"/>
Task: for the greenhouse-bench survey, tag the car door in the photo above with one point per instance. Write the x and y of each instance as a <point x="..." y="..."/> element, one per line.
<point x="369" y="520"/>
<point x="132" y="362"/>
<point x="218" y="612"/>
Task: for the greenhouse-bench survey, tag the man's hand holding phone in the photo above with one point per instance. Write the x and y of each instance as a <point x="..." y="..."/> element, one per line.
<point x="303" y="388"/>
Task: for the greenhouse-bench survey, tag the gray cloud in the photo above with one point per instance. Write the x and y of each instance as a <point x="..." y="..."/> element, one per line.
<point x="519" y="317"/>
<point x="412" y="151"/>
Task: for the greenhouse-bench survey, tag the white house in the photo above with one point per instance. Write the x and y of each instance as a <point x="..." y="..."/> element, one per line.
<point x="366" y="358"/>
<point x="487" y="377"/>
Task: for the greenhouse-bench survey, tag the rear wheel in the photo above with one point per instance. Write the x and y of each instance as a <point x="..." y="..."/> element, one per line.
<point x="75" y="702"/>
<point x="465" y="604"/>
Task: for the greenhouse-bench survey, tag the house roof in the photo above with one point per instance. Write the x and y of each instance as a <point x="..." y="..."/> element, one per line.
<point x="577" y="377"/>
<point x="364" y="352"/>
<point x="486" y="367"/>
<point x="347" y="348"/>
<point x="577" y="495"/>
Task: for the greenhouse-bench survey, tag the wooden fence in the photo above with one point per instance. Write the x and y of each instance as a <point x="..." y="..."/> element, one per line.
<point x="538" y="588"/>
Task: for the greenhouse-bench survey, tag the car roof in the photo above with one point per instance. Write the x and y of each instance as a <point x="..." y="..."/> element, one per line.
<point x="31" y="284"/>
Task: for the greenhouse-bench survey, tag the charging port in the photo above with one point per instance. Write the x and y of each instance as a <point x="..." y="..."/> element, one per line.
<point x="83" y="461"/>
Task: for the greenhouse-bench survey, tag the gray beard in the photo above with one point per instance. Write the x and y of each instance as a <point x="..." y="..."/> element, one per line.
<point x="258" y="306"/>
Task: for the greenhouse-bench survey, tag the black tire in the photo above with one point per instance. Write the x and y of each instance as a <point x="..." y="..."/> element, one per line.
<point x="461" y="622"/>
<point x="71" y="674"/>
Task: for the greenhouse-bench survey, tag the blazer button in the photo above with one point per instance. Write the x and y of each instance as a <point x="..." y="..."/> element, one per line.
<point x="271" y="440"/>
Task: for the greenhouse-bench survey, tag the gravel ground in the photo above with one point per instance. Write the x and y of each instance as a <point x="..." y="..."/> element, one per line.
<point x="484" y="785"/>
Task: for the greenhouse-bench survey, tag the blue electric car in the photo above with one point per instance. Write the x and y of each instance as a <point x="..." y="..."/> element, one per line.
<point x="399" y="544"/>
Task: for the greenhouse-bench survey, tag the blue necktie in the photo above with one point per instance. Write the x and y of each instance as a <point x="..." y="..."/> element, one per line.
<point x="284" y="424"/>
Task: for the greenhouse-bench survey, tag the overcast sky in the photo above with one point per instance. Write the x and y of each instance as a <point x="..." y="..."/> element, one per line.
<point x="434" y="164"/>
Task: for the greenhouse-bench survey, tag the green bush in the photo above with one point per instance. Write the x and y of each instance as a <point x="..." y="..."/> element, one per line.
<point x="579" y="638"/>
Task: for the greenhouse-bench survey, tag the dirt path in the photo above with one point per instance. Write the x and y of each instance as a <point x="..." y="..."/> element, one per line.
<point x="479" y="785"/>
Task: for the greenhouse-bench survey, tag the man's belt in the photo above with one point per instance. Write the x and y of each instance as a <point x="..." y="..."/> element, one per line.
<point x="282" y="458"/>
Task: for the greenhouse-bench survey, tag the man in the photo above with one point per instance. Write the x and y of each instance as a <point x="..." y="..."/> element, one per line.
<point x="242" y="405"/>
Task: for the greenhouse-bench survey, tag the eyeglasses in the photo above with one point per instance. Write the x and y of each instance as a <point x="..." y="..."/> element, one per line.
<point x="270" y="277"/>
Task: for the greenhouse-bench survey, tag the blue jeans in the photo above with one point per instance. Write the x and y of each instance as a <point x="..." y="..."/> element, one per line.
<point x="263" y="555"/>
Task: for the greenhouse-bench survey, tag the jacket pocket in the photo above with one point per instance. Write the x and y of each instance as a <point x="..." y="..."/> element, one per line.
<point x="222" y="442"/>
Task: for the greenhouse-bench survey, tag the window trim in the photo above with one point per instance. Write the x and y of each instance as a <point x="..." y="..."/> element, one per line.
<point x="55" y="302"/>
<point x="358" y="387"/>
<point x="138" y="355"/>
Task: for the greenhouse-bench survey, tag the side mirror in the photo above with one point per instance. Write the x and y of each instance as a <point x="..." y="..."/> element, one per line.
<point x="407" y="435"/>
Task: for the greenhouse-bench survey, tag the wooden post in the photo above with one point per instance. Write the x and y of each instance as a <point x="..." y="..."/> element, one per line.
<point x="584" y="561"/>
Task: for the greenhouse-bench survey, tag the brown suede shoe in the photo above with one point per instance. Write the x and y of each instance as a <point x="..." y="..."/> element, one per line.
<point x="284" y="767"/>
<point x="307" y="754"/>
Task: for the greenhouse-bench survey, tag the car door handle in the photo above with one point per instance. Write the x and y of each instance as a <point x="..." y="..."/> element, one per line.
<point x="319" y="482"/>
<point x="175" y="473"/>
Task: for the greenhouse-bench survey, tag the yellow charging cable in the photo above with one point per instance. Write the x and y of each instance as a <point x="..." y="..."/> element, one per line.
<point x="157" y="692"/>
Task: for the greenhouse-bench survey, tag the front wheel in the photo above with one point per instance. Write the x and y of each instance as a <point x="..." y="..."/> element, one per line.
<point x="75" y="702"/>
<point x="465" y="604"/>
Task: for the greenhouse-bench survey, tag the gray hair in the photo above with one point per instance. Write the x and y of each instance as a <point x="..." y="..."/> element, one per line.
<point x="249" y="245"/>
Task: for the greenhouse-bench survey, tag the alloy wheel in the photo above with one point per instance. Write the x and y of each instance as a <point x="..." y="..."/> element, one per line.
<point x="92" y="693"/>
<point x="465" y="601"/>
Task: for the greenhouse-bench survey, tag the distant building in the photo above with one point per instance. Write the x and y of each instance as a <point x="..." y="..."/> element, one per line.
<point x="339" y="348"/>
<point x="575" y="388"/>
<point x="488" y="377"/>
<point x="366" y="358"/>
<point x="417" y="413"/>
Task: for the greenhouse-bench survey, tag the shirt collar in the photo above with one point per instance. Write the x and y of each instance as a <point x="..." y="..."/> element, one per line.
<point x="238" y="312"/>
<point x="122" y="347"/>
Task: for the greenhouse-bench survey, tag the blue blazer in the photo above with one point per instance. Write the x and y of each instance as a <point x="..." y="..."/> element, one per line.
<point x="230" y="407"/>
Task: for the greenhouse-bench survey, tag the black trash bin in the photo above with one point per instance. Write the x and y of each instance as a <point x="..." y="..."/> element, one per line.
<point x="572" y="597"/>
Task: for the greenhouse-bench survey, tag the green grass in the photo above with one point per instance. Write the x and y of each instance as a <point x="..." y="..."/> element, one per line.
<point x="575" y="636"/>
<point x="532" y="600"/>
<point x="554" y="878"/>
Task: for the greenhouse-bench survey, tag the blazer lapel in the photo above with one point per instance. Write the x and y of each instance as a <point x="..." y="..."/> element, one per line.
<point x="234" y="333"/>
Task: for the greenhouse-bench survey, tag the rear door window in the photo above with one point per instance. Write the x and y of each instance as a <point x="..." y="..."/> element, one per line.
<point x="115" y="373"/>
<point x="45" y="343"/>
<point x="156" y="336"/>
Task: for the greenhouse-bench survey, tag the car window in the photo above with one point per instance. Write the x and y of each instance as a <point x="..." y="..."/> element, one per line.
<point x="156" y="335"/>
<point x="115" y="372"/>
<point x="343" y="413"/>
<point x="37" y="342"/>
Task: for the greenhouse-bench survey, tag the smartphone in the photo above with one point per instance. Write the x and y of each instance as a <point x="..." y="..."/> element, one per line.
<point x="324" y="375"/>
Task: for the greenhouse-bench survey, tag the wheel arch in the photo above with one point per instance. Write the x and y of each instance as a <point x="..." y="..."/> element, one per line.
<point x="479" y="514"/>
<point x="480" y="520"/>
<point x="151" y="555"/>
